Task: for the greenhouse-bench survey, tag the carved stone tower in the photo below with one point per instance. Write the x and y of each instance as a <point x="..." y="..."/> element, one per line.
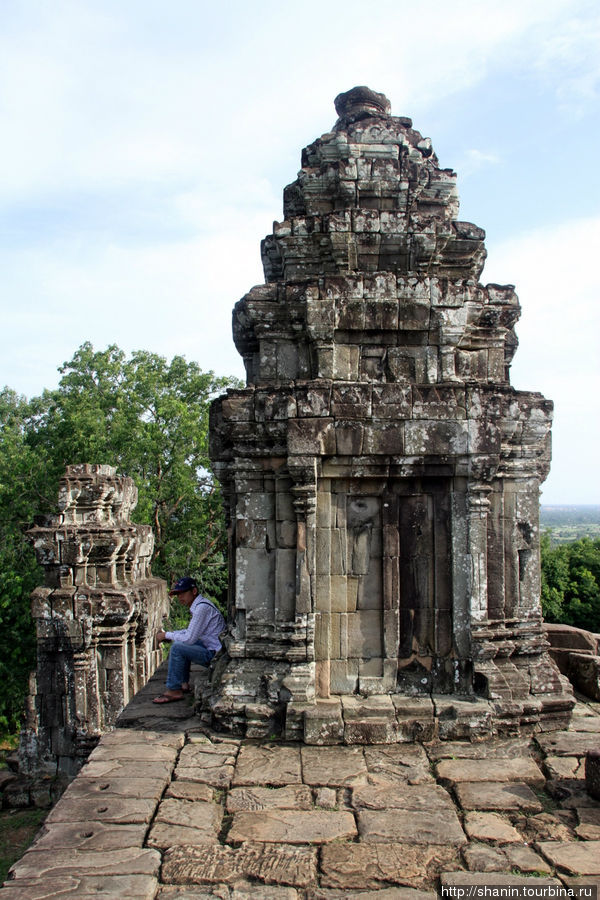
<point x="381" y="474"/>
<point x="95" y="617"/>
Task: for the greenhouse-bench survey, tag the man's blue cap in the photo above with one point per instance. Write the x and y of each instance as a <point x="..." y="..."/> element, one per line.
<point x="184" y="584"/>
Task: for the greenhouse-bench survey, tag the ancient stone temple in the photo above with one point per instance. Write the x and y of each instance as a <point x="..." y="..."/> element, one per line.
<point x="95" y="618"/>
<point x="380" y="473"/>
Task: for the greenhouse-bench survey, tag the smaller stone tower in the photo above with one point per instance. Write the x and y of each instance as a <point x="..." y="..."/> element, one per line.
<point x="95" y="617"/>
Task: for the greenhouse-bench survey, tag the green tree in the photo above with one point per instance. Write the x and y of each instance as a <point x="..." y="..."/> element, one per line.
<point x="142" y="414"/>
<point x="21" y="477"/>
<point x="571" y="583"/>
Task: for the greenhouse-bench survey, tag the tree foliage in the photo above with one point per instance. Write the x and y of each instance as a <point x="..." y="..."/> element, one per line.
<point x="571" y="583"/>
<point x="142" y="414"/>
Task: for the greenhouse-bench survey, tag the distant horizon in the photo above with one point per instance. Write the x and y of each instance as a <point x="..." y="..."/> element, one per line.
<point x="587" y="505"/>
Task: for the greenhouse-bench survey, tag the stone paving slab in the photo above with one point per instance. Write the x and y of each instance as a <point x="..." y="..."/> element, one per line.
<point x="500" y="879"/>
<point x="268" y="765"/>
<point x="490" y="795"/>
<point x="498" y="749"/>
<point x="163" y="835"/>
<point x="284" y="826"/>
<point x="142" y="752"/>
<point x="420" y="827"/>
<point x="486" y="826"/>
<point x="568" y="743"/>
<point x="44" y="864"/>
<point x="128" y="768"/>
<point x="390" y="893"/>
<point x="191" y="790"/>
<point x="333" y="766"/>
<point x="575" y="857"/>
<point x="589" y="816"/>
<point x="82" y="887"/>
<point x="521" y="769"/>
<point x="585" y="723"/>
<point x="288" y="797"/>
<point x="206" y="816"/>
<point x="399" y="762"/>
<point x="103" y="808"/>
<point x="273" y="864"/>
<point x="141" y="788"/>
<point x="206" y="764"/>
<point x="369" y="866"/>
<point x="90" y="836"/>
<point x="241" y="890"/>
<point x="481" y="858"/>
<point x="175" y="739"/>
<point x="564" y="767"/>
<point x="399" y="795"/>
<point x="570" y="793"/>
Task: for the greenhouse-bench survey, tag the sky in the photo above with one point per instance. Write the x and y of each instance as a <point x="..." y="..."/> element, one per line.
<point x="145" y="146"/>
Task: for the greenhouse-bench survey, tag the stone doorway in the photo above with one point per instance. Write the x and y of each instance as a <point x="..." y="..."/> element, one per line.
<point x="383" y="586"/>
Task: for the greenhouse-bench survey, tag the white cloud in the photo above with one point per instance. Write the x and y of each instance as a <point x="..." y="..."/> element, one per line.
<point x="554" y="273"/>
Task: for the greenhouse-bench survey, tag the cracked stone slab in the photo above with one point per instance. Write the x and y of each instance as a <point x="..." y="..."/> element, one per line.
<point x="575" y="857"/>
<point x="555" y="826"/>
<point x="288" y="797"/>
<point x="440" y="827"/>
<point x="273" y="864"/>
<point x="333" y="766"/>
<point x="400" y="795"/>
<point x="490" y="795"/>
<point x="82" y="887"/>
<point x="103" y="808"/>
<point x="43" y="864"/>
<point x="564" y="767"/>
<point x="140" y="788"/>
<point x="90" y="836"/>
<point x="282" y="826"/>
<point x="267" y="765"/>
<point x="481" y="858"/>
<point x="567" y="743"/>
<point x="369" y="866"/>
<point x="199" y="762"/>
<point x="522" y="769"/>
<point x="399" y="762"/>
<point x="487" y="826"/>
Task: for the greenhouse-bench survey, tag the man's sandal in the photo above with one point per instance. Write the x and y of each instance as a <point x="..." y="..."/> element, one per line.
<point x="166" y="698"/>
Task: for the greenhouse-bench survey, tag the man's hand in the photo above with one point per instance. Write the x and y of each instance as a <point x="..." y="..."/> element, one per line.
<point x="160" y="637"/>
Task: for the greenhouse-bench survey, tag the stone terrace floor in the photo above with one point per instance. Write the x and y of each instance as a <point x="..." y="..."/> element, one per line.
<point x="165" y="810"/>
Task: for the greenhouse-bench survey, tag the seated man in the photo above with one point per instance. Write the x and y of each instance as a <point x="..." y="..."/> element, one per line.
<point x="197" y="643"/>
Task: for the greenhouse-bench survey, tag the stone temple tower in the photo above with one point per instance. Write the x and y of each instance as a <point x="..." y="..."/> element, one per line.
<point x="381" y="475"/>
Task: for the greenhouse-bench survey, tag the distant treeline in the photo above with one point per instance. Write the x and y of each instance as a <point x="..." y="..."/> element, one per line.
<point x="569" y="515"/>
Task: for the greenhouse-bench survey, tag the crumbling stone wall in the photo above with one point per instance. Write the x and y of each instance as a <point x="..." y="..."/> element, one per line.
<point x="96" y="617"/>
<point x="381" y="474"/>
